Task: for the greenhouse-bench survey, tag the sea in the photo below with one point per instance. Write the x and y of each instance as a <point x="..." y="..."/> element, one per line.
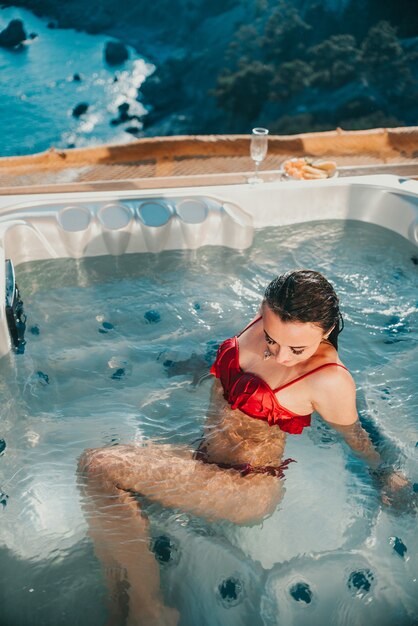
<point x="43" y="81"/>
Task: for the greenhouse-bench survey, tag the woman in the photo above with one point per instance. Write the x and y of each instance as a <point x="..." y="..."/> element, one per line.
<point x="269" y="379"/>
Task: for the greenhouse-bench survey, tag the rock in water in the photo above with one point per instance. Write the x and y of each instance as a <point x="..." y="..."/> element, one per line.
<point x="13" y="35"/>
<point x="115" y="53"/>
<point x="124" y="112"/>
<point x="80" y="109"/>
<point x="133" y="130"/>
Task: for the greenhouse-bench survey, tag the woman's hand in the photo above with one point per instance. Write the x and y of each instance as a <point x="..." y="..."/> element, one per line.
<point x="196" y="364"/>
<point x="395" y="489"/>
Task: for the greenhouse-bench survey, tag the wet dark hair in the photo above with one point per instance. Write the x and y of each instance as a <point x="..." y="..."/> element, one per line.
<point x="306" y="296"/>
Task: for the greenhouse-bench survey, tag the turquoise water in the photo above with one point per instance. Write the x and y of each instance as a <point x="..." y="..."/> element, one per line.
<point x="38" y="93"/>
<point x="95" y="373"/>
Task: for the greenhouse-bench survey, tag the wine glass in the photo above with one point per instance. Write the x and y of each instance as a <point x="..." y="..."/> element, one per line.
<point x="258" y="150"/>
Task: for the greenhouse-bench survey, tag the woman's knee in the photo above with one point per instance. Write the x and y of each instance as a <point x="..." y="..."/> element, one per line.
<point x="92" y="462"/>
<point x="93" y="457"/>
<point x="254" y="515"/>
<point x="106" y="465"/>
<point x="263" y="504"/>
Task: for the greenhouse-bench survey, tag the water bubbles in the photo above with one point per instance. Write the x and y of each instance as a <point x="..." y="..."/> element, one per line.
<point x="118" y="374"/>
<point x="105" y="327"/>
<point x="152" y="316"/>
<point x="360" y="582"/>
<point x="301" y="592"/>
<point x="121" y="367"/>
<point x="165" y="550"/>
<point x="230" y="591"/>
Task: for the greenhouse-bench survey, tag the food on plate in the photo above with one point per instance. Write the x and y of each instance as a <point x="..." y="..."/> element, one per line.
<point x="328" y="166"/>
<point x="306" y="169"/>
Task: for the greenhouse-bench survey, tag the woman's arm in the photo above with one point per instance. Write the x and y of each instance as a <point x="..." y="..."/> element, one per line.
<point x="359" y="441"/>
<point x="335" y="401"/>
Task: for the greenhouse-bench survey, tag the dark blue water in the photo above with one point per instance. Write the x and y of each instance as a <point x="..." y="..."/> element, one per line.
<point x="38" y="93"/>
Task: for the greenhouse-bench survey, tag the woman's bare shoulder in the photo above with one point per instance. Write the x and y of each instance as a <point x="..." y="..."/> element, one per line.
<point x="334" y="395"/>
<point x="332" y="376"/>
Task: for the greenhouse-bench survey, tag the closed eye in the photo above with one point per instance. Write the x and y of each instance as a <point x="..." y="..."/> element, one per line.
<point x="271" y="342"/>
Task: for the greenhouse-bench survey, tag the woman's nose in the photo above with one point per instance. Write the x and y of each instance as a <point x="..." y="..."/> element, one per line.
<point x="282" y="355"/>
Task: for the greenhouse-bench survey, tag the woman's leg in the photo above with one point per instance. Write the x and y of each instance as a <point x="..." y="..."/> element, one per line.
<point x="121" y="543"/>
<point x="168" y="475"/>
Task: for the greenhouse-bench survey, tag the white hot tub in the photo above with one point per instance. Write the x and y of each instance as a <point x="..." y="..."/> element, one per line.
<point x="96" y="372"/>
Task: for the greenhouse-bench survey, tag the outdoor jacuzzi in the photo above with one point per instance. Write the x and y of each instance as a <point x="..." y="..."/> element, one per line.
<point x="123" y="294"/>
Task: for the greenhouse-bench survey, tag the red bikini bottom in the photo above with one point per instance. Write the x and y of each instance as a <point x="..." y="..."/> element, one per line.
<point x="245" y="468"/>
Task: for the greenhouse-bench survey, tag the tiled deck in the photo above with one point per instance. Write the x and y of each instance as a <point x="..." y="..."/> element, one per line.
<point x="189" y="161"/>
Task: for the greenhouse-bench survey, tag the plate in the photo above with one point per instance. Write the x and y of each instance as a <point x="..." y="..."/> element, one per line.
<point x="305" y="168"/>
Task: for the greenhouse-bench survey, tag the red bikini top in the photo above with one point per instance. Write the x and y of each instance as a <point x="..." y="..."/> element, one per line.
<point x="251" y="394"/>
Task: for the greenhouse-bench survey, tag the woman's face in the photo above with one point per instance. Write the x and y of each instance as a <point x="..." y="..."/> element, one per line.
<point x="290" y="342"/>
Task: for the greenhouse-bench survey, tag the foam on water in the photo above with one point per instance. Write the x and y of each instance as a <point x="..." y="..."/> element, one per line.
<point x="104" y="337"/>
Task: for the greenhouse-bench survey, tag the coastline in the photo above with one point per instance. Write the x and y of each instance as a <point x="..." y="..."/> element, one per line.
<point x="59" y="91"/>
<point x="207" y="74"/>
<point x="186" y="73"/>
